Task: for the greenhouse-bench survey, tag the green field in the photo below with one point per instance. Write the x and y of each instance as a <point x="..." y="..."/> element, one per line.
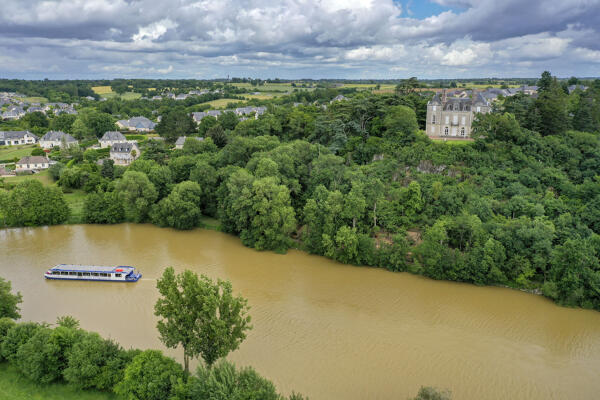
<point x="221" y="103"/>
<point x="75" y="201"/>
<point x="43" y="177"/>
<point x="124" y="96"/>
<point x="262" y="96"/>
<point x="267" y="87"/>
<point x="36" y="99"/>
<point x="10" y="152"/>
<point x="13" y="386"/>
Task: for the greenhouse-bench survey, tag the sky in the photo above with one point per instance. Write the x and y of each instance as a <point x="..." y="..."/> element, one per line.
<point x="294" y="39"/>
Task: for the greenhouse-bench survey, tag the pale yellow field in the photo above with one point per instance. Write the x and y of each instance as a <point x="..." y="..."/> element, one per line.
<point x="262" y="96"/>
<point x="102" y="89"/>
<point x="221" y="103"/>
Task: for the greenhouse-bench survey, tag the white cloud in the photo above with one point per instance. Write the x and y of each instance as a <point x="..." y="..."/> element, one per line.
<point x="154" y="31"/>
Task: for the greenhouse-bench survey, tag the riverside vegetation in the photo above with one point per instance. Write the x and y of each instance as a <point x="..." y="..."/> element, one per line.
<point x="64" y="361"/>
<point x="358" y="182"/>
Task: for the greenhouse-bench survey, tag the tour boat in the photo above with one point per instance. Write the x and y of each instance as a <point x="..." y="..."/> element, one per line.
<point x="93" y="273"/>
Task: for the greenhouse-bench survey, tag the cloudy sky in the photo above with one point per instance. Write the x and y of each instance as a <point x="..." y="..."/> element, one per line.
<point x="298" y="38"/>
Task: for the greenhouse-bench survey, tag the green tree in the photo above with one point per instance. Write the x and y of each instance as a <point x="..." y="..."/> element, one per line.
<point x="149" y="376"/>
<point x="5" y="325"/>
<point x="137" y="194"/>
<point x="9" y="303"/>
<point x="181" y="209"/>
<point x="108" y="169"/>
<point x="94" y="362"/>
<point x="103" y="208"/>
<point x="16" y="337"/>
<point x="217" y="134"/>
<point x="35" y="119"/>
<point x="401" y="124"/>
<point x="228" y="120"/>
<point x="177" y="122"/>
<point x="32" y="204"/>
<point x="202" y="316"/>
<point x="63" y="123"/>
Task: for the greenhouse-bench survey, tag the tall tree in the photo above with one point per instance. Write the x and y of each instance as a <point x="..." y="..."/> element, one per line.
<point x="176" y="123"/>
<point x="9" y="302"/>
<point x="203" y="317"/>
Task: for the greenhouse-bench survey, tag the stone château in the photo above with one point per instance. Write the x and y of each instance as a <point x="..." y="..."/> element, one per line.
<point x="450" y="115"/>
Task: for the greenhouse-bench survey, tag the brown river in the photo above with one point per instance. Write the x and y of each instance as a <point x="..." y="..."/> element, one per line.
<point x="327" y="330"/>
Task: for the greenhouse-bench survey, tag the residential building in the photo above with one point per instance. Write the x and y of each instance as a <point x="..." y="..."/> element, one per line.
<point x="32" y="163"/>
<point x="197" y="116"/>
<point x="124" y="153"/>
<point x="110" y="138"/>
<point x="12" y="138"/>
<point x="140" y="124"/>
<point x="181" y="140"/>
<point x="572" y="88"/>
<point x="452" y="116"/>
<point x="13" y="113"/>
<point x="339" y="97"/>
<point x="57" y="139"/>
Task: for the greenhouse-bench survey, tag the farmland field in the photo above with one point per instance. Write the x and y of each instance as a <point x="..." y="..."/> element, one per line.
<point x="36" y="99"/>
<point x="102" y="89"/>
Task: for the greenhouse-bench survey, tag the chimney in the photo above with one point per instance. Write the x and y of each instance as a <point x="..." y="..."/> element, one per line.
<point x="443" y="95"/>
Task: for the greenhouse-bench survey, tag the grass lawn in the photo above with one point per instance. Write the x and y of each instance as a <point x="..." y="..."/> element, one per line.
<point x="13" y="386"/>
<point x="124" y="96"/>
<point x="18" y="151"/>
<point x="453" y="142"/>
<point x="75" y="201"/>
<point x="267" y="87"/>
<point x="210" y="223"/>
<point x="43" y="177"/>
<point x="36" y="99"/>
<point x="261" y="96"/>
<point x="221" y="103"/>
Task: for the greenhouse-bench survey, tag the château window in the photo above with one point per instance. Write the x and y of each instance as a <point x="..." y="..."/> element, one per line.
<point x="462" y="131"/>
<point x="478" y="109"/>
<point x="433" y="120"/>
<point x="446" y="131"/>
<point x="462" y="121"/>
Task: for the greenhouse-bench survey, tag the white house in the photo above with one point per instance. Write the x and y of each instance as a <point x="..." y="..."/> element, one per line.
<point x="124" y="153"/>
<point x="57" y="139"/>
<point x="110" y="138"/>
<point x="12" y="138"/>
<point x="33" y="163"/>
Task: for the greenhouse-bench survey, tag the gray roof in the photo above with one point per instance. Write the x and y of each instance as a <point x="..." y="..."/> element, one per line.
<point x="123" y="147"/>
<point x="113" y="135"/>
<point x="33" y="160"/>
<point x="57" y="136"/>
<point x="16" y="135"/>
<point x="139" y="122"/>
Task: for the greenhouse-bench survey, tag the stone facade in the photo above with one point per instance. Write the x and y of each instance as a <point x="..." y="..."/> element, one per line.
<point x="451" y="116"/>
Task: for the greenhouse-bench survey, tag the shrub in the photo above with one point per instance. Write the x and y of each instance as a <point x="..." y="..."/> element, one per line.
<point x="5" y="325"/>
<point x="150" y="376"/>
<point x="224" y="382"/>
<point x="94" y="362"/>
<point x="17" y="336"/>
<point x="44" y="357"/>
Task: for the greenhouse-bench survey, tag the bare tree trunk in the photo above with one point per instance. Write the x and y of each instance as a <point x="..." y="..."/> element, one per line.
<point x="186" y="363"/>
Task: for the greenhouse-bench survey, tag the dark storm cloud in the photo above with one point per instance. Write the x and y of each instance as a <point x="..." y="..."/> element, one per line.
<point x="344" y="38"/>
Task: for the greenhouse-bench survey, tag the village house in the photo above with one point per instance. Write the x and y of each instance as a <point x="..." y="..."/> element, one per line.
<point x="339" y="97"/>
<point x="140" y="124"/>
<point x="197" y="116"/>
<point x="32" y="163"/>
<point x="57" y="139"/>
<point x="452" y="116"/>
<point x="13" y="113"/>
<point x="181" y="141"/>
<point x="35" y="109"/>
<point x="124" y="153"/>
<point x="110" y="138"/>
<point x="572" y="88"/>
<point x="12" y="138"/>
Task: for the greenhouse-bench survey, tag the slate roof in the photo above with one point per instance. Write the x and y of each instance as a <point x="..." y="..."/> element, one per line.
<point x="113" y="135"/>
<point x="33" y="160"/>
<point x="16" y="135"/>
<point x="138" y="123"/>
<point x="123" y="147"/>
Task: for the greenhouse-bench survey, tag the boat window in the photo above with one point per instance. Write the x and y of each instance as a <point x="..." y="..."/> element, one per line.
<point x="86" y="274"/>
<point x="94" y="274"/>
<point x="79" y="274"/>
<point x="72" y="273"/>
<point x="64" y="273"/>
<point x="55" y="272"/>
<point x="118" y="275"/>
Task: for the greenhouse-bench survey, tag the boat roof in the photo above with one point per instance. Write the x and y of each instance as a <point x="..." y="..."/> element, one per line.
<point x="91" y="268"/>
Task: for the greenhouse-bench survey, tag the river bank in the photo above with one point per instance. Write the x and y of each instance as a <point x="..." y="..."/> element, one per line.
<point x="323" y="328"/>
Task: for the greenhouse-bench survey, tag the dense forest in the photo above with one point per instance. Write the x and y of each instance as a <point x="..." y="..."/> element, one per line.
<point x="358" y="181"/>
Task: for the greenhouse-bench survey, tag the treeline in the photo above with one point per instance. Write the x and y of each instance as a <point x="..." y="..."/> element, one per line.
<point x="358" y="182"/>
